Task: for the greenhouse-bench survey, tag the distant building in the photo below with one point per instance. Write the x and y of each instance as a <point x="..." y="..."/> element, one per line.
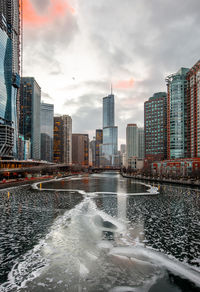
<point x="62" y="140"/>
<point x="99" y="141"/>
<point x="109" y="149"/>
<point x="9" y="77"/>
<point x="80" y="149"/>
<point x="155" y="127"/>
<point x="123" y="148"/>
<point x="46" y="129"/>
<point x="29" y="123"/>
<point x="135" y="163"/>
<point x="193" y="111"/>
<point x="131" y="141"/>
<point x="177" y="167"/>
<point x="177" y="114"/>
<point x="92" y="149"/>
<point x="141" y="143"/>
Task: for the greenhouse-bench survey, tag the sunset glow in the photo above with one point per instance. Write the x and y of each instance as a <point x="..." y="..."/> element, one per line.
<point x="124" y="84"/>
<point x="57" y="8"/>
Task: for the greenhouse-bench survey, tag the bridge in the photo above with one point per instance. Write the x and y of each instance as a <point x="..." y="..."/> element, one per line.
<point x="17" y="169"/>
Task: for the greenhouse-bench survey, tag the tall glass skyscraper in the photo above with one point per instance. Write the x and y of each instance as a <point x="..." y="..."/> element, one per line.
<point x="177" y="114"/>
<point x="47" y="127"/>
<point x="9" y="77"/>
<point x="109" y="149"/>
<point x="29" y="126"/>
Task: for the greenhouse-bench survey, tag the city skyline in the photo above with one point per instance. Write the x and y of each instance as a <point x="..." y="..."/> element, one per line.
<point x="77" y="57"/>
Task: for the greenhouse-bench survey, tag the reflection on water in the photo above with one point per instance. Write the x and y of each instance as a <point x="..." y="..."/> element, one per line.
<point x="98" y="234"/>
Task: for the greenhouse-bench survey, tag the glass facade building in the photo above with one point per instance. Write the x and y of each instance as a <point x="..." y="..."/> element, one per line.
<point x="46" y="129"/>
<point x="99" y="141"/>
<point x="141" y="143"/>
<point x="9" y="77"/>
<point x="29" y="125"/>
<point x="62" y="140"/>
<point x="177" y="115"/>
<point x="109" y="148"/>
<point x="155" y="127"/>
<point x="108" y="111"/>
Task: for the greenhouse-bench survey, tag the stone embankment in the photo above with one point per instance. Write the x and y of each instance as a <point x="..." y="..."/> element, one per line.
<point x="187" y="182"/>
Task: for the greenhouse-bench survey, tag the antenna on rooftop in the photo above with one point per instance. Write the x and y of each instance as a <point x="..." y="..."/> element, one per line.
<point x="111" y="87"/>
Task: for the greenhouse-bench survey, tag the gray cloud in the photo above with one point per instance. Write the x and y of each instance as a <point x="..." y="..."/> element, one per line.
<point x="41" y="6"/>
<point x="139" y="39"/>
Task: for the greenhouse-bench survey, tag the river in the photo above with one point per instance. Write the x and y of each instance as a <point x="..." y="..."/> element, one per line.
<point x="100" y="232"/>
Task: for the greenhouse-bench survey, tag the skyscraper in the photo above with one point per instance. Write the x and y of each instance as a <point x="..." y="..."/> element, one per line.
<point x="141" y="143"/>
<point x="109" y="149"/>
<point x="93" y="150"/>
<point x="62" y="144"/>
<point x="131" y="141"/>
<point x="193" y="111"/>
<point x="80" y="149"/>
<point x="9" y="77"/>
<point x="46" y="130"/>
<point x="99" y="141"/>
<point x="29" y="125"/>
<point x="177" y="114"/>
<point x="155" y="127"/>
<point x="123" y="148"/>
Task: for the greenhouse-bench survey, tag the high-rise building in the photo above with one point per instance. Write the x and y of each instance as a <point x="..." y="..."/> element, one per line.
<point x="93" y="149"/>
<point x="80" y="149"/>
<point x="109" y="149"/>
<point x="131" y="141"/>
<point x="9" y="77"/>
<point x="141" y="143"/>
<point x="29" y="124"/>
<point x="123" y="148"/>
<point x="177" y="114"/>
<point x="46" y="130"/>
<point x="62" y="140"/>
<point x="99" y="141"/>
<point x="155" y="127"/>
<point x="193" y="111"/>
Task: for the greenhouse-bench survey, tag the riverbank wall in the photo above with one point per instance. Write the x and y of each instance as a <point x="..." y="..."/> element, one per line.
<point x="189" y="182"/>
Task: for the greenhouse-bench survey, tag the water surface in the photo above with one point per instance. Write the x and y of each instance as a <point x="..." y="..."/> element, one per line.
<point x="100" y="233"/>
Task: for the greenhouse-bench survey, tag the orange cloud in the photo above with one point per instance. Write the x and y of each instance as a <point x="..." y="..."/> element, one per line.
<point x="124" y="84"/>
<point x="57" y="8"/>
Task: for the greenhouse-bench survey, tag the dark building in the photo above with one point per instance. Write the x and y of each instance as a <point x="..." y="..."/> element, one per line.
<point x="46" y="129"/>
<point x="80" y="149"/>
<point x="193" y="111"/>
<point x="99" y="141"/>
<point x="29" y="124"/>
<point x="9" y="77"/>
<point x="92" y="151"/>
<point x="155" y="127"/>
<point x="62" y="140"/>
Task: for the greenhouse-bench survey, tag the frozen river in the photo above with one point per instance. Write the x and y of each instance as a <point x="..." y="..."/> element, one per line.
<point x="100" y="232"/>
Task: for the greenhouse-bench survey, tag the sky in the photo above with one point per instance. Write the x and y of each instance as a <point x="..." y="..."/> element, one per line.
<point x="75" y="49"/>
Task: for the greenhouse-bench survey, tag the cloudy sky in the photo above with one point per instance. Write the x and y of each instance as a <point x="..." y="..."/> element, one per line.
<point x="76" y="48"/>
